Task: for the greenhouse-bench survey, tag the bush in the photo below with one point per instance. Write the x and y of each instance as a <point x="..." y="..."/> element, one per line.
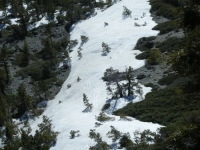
<point x="106" y="106"/>
<point x="103" y="117"/>
<point x="164" y="106"/>
<point x="165" y="27"/>
<point x="160" y="8"/>
<point x="155" y="57"/>
<point x="169" y="45"/>
<point x="145" y="43"/>
<point x="143" y="55"/>
<point x="153" y="86"/>
<point x="168" y="79"/>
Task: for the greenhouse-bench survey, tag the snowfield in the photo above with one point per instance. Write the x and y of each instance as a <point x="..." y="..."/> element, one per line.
<point x="121" y="35"/>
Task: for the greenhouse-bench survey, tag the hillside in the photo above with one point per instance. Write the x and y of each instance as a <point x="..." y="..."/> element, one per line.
<point x="121" y="36"/>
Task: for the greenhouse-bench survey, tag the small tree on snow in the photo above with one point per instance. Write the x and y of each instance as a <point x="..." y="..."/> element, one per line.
<point x="86" y="103"/>
<point x="114" y="134"/>
<point x="74" y="134"/>
<point x="84" y="39"/>
<point x="113" y="76"/>
<point x="106" y="48"/>
<point x="129" y="77"/>
<point x="126" y="13"/>
<point x="79" y="54"/>
<point x="139" y="91"/>
<point x="100" y="143"/>
<point x="78" y="79"/>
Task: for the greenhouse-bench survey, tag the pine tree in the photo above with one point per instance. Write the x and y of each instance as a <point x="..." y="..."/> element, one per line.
<point x="114" y="134"/>
<point x="79" y="54"/>
<point x="129" y="77"/>
<point x="25" y="55"/>
<point x="113" y="77"/>
<point x="4" y="60"/>
<point x="86" y="103"/>
<point x="106" y="48"/>
<point x="2" y="81"/>
<point x="23" y="101"/>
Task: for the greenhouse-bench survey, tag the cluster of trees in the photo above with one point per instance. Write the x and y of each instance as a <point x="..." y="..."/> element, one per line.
<point x="29" y="12"/>
<point x="141" y="140"/>
<point x="121" y="84"/>
<point x="14" y="137"/>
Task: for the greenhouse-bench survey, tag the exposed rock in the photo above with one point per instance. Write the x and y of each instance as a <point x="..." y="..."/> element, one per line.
<point x="141" y="76"/>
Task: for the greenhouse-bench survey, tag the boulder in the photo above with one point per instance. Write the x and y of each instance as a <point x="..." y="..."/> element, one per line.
<point x="141" y="76"/>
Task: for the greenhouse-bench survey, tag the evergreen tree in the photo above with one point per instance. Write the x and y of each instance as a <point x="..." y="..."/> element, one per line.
<point x="23" y="101"/>
<point x="4" y="60"/>
<point x="186" y="60"/>
<point x="114" y="134"/>
<point x="113" y="77"/>
<point x="86" y="103"/>
<point x="129" y="77"/>
<point x="25" y="55"/>
<point x="2" y="81"/>
<point x="79" y="54"/>
<point x="106" y="48"/>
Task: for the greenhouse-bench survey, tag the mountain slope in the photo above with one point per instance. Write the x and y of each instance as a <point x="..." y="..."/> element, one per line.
<point x="121" y="35"/>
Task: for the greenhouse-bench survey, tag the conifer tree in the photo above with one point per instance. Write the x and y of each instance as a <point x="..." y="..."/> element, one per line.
<point x="86" y="103"/>
<point x="112" y="76"/>
<point x="25" y="55"/>
<point x="79" y="54"/>
<point x="114" y="134"/>
<point x="23" y="101"/>
<point x="106" y="48"/>
<point x="4" y="60"/>
<point x="2" y="81"/>
<point x="129" y="77"/>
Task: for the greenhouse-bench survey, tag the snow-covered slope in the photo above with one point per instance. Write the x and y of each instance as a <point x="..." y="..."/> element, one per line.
<point x="121" y="35"/>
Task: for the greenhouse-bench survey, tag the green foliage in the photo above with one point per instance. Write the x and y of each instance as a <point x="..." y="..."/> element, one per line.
<point x="114" y="134"/>
<point x="166" y="27"/>
<point x="126" y="142"/>
<point x="100" y="144"/>
<point x="25" y="55"/>
<point x="169" y="45"/>
<point x="106" y="106"/>
<point x="106" y="48"/>
<point x="155" y="57"/>
<point x="163" y="8"/>
<point x="103" y="117"/>
<point x="74" y="134"/>
<point x="86" y="103"/>
<point x="168" y="79"/>
<point x="44" y="137"/>
<point x="126" y="12"/>
<point x="143" y="55"/>
<point x="164" y="106"/>
<point x="145" y="43"/>
<point x="153" y="86"/>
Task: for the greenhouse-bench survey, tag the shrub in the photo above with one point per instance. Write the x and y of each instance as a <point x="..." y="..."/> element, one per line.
<point x="145" y="43"/>
<point x="106" y="48"/>
<point x="168" y="79"/>
<point x="155" y="57"/>
<point x="169" y="45"/>
<point x="166" y="27"/>
<point x="126" y="13"/>
<point x="164" y="106"/>
<point x="103" y="117"/>
<point x="106" y="106"/>
<point x="160" y="8"/>
<point x="143" y="55"/>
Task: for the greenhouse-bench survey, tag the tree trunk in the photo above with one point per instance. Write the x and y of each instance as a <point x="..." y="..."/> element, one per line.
<point x="120" y="90"/>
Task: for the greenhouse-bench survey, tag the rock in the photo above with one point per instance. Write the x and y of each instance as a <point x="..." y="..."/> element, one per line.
<point x="141" y="76"/>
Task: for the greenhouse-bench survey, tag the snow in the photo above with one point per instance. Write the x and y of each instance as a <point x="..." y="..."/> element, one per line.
<point x="121" y="35"/>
